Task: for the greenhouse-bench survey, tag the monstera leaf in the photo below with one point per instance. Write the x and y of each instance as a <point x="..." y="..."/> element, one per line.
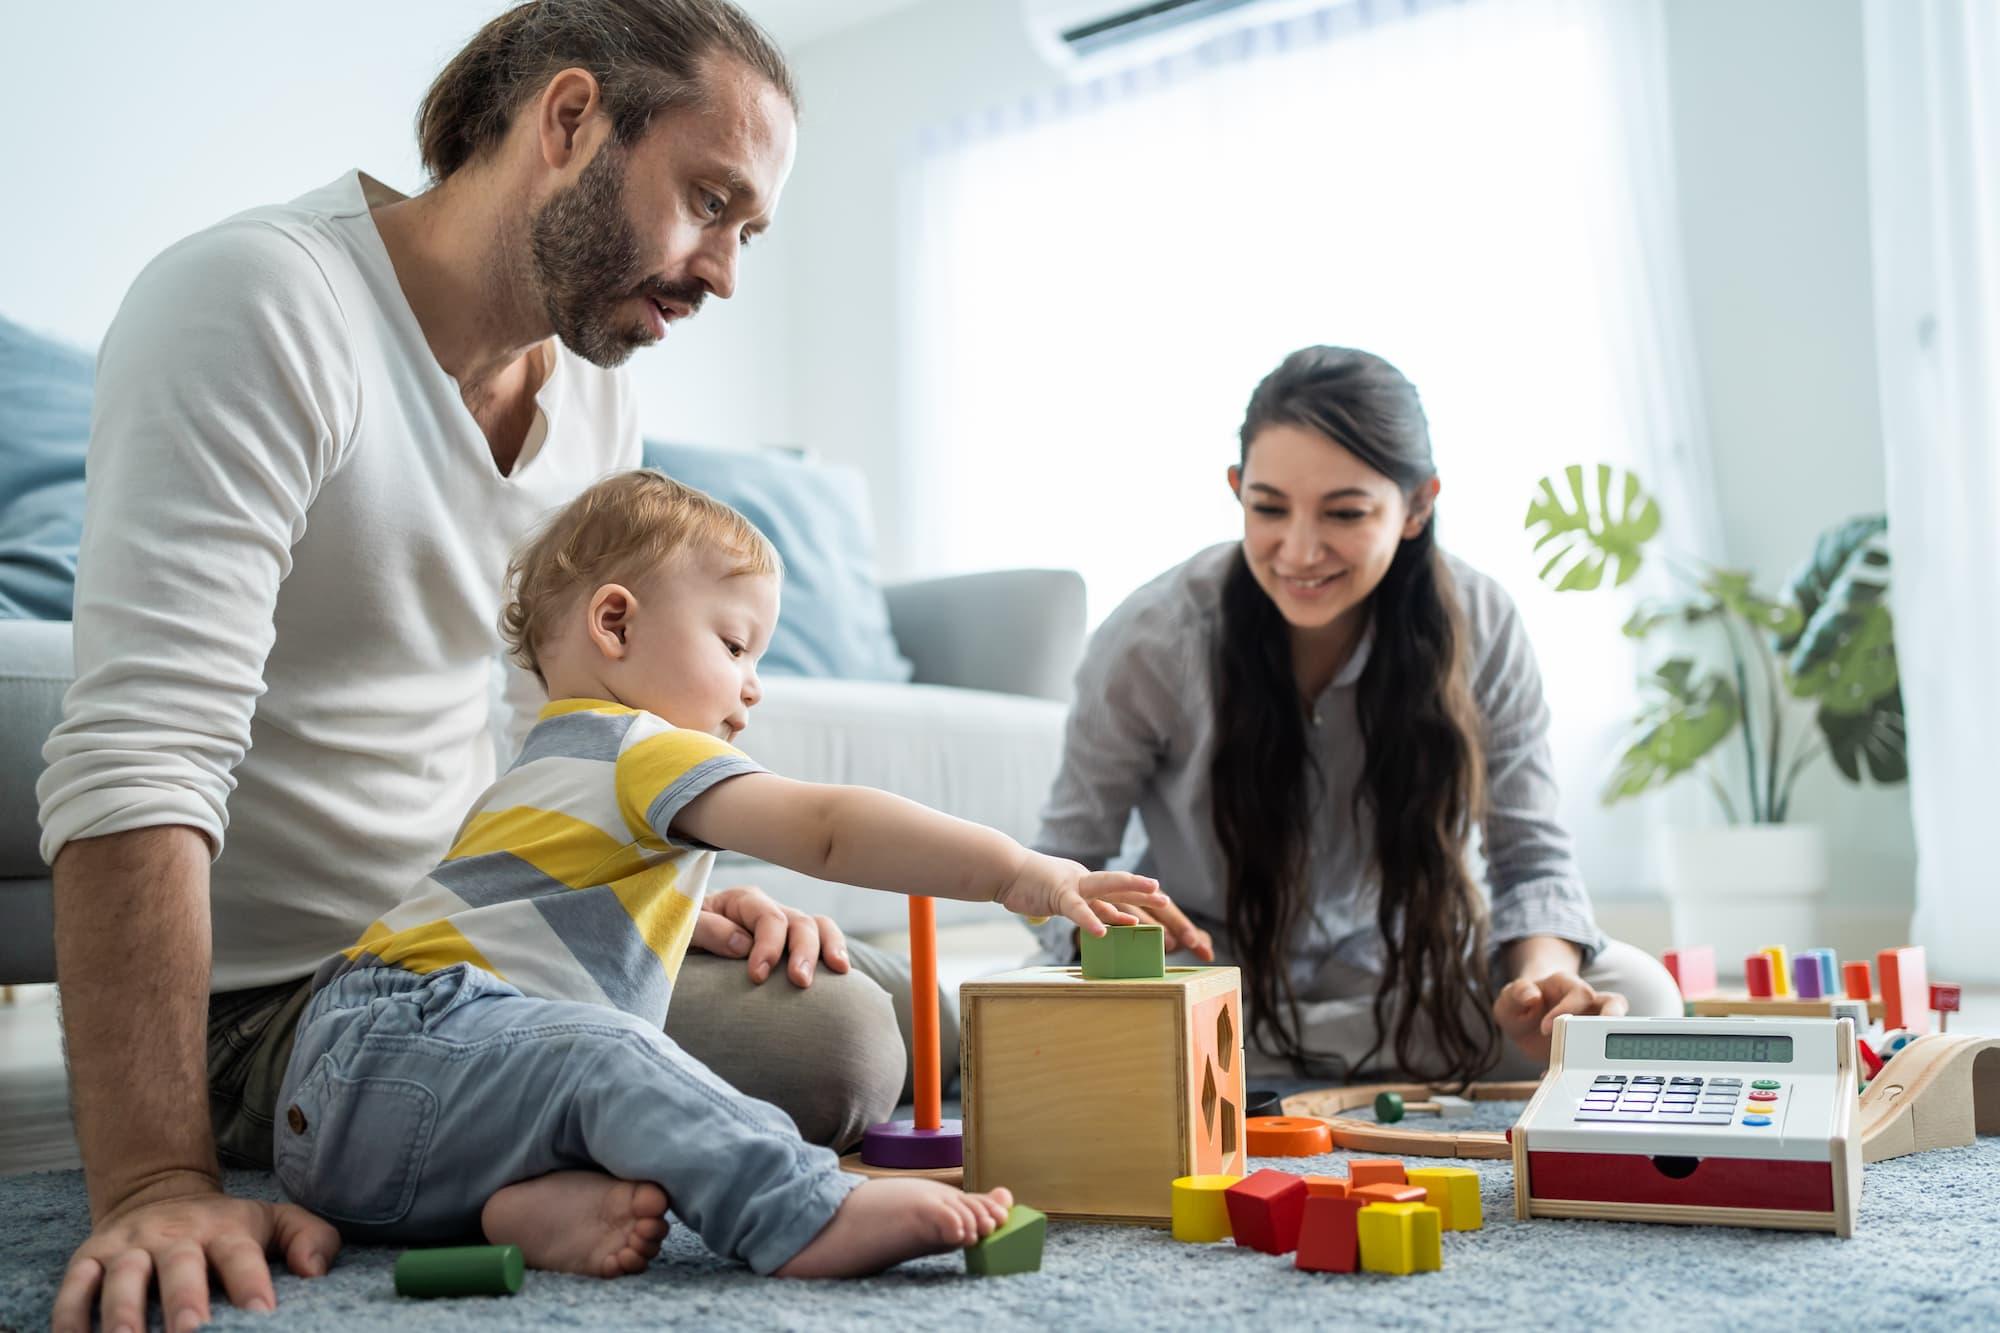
<point x="1654" y="612"/>
<point x="1606" y="523"/>
<point x="1732" y="588"/>
<point x="1874" y="737"/>
<point x="1688" y="719"/>
<point x="1814" y="580"/>
<point x="1845" y="654"/>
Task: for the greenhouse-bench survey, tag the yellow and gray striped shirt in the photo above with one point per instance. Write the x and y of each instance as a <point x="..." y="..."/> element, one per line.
<point x="566" y="880"/>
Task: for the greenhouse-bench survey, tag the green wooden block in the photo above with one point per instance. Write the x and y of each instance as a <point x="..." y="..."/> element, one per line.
<point x="1124" y="953"/>
<point x="1015" y="1246"/>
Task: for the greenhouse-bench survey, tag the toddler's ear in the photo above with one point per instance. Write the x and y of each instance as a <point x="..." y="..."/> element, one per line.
<point x="609" y="615"/>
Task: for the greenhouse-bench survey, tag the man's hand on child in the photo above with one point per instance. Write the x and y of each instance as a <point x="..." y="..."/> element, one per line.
<point x="1048" y="886"/>
<point x="745" y="922"/>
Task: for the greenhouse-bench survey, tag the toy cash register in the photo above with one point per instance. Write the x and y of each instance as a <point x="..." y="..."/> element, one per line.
<point x="1732" y="1121"/>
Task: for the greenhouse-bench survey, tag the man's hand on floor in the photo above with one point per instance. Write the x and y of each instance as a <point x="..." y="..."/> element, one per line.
<point x="176" y="1242"/>
<point x="745" y="922"/>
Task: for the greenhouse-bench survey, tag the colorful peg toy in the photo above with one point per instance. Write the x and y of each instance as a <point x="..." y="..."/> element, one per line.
<point x="927" y="1144"/>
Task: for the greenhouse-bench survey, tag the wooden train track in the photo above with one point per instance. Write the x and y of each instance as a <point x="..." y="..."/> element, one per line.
<point x="1329" y="1104"/>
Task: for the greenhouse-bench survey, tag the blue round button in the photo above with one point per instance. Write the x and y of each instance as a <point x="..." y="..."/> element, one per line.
<point x="1756" y="1120"/>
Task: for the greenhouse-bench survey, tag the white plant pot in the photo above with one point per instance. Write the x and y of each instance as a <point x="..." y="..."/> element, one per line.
<point x="1745" y="887"/>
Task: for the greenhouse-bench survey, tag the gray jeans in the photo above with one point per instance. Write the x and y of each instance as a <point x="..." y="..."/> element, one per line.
<point x="833" y="1056"/>
<point x="412" y="1099"/>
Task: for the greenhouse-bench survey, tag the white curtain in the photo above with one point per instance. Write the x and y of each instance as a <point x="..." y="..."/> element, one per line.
<point x="1934" y="165"/>
<point x="1480" y="192"/>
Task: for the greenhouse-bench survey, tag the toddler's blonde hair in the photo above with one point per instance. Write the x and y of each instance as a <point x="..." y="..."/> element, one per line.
<point x="621" y="529"/>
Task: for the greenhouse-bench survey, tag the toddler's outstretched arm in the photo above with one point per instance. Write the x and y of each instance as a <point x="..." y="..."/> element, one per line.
<point x="857" y="835"/>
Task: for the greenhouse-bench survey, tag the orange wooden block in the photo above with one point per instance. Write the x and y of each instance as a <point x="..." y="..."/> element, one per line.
<point x="1388" y="1193"/>
<point x="1375" y="1171"/>
<point x="1326" y="1187"/>
<point x="1287" y="1136"/>
<point x="1906" y="990"/>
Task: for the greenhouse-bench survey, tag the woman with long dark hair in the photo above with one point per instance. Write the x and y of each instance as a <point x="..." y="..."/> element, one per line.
<point x="1310" y="724"/>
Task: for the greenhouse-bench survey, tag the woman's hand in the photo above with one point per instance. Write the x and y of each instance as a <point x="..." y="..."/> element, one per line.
<point x="1049" y="886"/>
<point x="1181" y="932"/>
<point x="1526" y="1008"/>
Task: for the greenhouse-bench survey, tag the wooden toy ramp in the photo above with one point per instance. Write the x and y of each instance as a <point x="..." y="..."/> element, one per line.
<point x="1940" y="1091"/>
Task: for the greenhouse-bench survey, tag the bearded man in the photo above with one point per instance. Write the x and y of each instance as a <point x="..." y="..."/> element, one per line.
<point x="321" y="427"/>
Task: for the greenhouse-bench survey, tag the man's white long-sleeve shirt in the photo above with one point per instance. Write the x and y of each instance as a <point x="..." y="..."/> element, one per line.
<point x="294" y="548"/>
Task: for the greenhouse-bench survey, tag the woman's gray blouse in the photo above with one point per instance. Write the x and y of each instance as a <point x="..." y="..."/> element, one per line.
<point x="1142" y="736"/>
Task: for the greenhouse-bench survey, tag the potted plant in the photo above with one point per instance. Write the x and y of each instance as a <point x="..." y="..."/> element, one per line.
<point x="1733" y="719"/>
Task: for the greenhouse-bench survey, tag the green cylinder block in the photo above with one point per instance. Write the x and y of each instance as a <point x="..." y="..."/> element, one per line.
<point x="469" y="1270"/>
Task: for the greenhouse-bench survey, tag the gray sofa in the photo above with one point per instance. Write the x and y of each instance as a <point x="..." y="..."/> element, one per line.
<point x="993" y="654"/>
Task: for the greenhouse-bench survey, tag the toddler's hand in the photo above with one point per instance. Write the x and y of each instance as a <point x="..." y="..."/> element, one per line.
<point x="1047" y="886"/>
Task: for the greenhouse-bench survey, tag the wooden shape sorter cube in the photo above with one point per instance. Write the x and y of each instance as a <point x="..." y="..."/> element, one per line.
<point x="1088" y="1099"/>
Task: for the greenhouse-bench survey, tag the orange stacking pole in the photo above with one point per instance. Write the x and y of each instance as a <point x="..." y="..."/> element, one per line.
<point x="924" y="1013"/>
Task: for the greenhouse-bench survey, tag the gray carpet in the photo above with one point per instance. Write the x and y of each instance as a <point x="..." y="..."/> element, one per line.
<point x="1927" y="1251"/>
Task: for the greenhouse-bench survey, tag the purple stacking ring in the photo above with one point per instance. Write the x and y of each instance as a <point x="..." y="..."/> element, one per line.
<point x="899" y="1145"/>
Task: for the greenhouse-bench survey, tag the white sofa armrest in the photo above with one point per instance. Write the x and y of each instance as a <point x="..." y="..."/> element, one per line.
<point x="1014" y="631"/>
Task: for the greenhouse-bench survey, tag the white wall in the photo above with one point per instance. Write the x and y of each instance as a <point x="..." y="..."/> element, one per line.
<point x="867" y="92"/>
<point x="1770" y="122"/>
<point x="132" y="124"/>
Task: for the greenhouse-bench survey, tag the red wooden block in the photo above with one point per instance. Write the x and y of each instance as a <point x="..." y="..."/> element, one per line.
<point x="1757" y="976"/>
<point x="1906" y="991"/>
<point x="1868" y="1057"/>
<point x="1387" y="1193"/>
<point x="1693" y="970"/>
<point x="1375" y="1171"/>
<point x="1265" y="1210"/>
<point x="1856" y="978"/>
<point x="1330" y="1238"/>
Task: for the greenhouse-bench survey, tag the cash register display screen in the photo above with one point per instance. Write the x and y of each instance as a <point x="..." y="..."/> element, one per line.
<point x="1661" y="1047"/>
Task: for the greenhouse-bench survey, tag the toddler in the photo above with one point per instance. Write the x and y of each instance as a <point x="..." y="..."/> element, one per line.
<point x="488" y="1057"/>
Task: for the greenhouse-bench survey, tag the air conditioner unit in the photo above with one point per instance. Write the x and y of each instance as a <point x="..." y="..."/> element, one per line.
<point x="1086" y="38"/>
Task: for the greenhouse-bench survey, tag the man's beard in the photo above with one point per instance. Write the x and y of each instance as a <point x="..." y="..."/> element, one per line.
<point x="586" y="260"/>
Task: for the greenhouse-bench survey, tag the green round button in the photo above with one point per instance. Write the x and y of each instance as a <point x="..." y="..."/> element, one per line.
<point x="1766" y="1083"/>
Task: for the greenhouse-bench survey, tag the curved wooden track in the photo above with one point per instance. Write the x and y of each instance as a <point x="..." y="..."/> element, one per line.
<point x="1370" y="1136"/>
<point x="1940" y="1091"/>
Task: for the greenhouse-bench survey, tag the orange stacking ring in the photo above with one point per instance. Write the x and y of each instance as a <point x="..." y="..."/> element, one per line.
<point x="1287" y="1136"/>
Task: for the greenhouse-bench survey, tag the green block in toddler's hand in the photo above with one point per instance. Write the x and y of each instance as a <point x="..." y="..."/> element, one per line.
<point x="1015" y="1246"/>
<point x="1124" y="953"/>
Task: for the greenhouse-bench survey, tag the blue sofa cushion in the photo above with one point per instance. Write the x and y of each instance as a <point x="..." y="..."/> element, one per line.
<point x="834" y="620"/>
<point x="44" y="430"/>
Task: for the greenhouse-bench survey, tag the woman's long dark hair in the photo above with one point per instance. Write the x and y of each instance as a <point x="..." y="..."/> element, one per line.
<point x="1422" y="778"/>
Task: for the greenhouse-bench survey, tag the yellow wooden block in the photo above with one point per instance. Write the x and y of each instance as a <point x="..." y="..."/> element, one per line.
<point x="1454" y="1192"/>
<point x="1201" y="1208"/>
<point x="1401" y="1238"/>
<point x="1088" y="1099"/>
<point x="1781" y="972"/>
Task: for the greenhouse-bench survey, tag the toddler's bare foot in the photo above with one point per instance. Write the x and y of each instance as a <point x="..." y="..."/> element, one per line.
<point x="579" y="1222"/>
<point x="888" y="1220"/>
